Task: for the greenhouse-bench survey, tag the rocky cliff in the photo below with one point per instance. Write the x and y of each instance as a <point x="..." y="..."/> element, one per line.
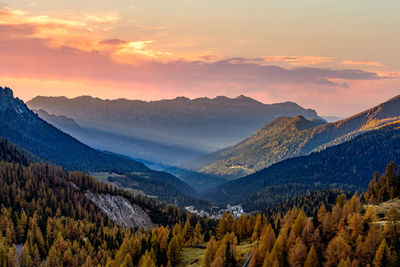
<point x="120" y="210"/>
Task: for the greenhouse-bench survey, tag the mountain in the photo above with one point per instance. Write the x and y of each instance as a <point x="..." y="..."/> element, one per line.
<point x="198" y="181"/>
<point x="64" y="124"/>
<point x="168" y="131"/>
<point x="348" y="166"/>
<point x="274" y="142"/>
<point x="24" y="128"/>
<point x="287" y="137"/>
<point x="24" y="174"/>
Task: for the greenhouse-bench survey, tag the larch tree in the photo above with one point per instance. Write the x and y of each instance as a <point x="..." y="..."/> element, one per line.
<point x="312" y="258"/>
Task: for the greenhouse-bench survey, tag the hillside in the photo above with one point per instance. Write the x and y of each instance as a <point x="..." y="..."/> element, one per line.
<point x="25" y="129"/>
<point x="289" y="137"/>
<point x="167" y="131"/>
<point x="65" y="124"/>
<point x="348" y="166"/>
<point x="51" y="217"/>
<point x="276" y="141"/>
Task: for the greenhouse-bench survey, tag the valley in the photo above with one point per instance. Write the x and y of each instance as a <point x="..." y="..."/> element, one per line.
<point x="199" y="133"/>
<point x="290" y="182"/>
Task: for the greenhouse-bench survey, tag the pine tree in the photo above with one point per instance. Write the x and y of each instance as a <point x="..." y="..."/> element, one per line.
<point x="187" y="233"/>
<point x="229" y="257"/>
<point x="258" y="227"/>
<point x="174" y="251"/>
<point x="337" y="250"/>
<point x="25" y="257"/>
<point x="218" y="261"/>
<point x="223" y="226"/>
<point x="210" y="252"/>
<point x="265" y="245"/>
<point x="383" y="256"/>
<point x="277" y="252"/>
<point x="297" y="254"/>
<point x="312" y="258"/>
<point x="299" y="223"/>
<point x="146" y="260"/>
<point x="128" y="261"/>
<point x="198" y="236"/>
<point x="21" y="228"/>
<point x="12" y="256"/>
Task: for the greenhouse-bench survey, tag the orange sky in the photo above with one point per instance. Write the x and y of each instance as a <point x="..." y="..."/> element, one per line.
<point x="336" y="57"/>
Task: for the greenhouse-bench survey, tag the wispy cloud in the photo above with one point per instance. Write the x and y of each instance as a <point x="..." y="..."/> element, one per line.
<point x="362" y="63"/>
<point x="298" y="60"/>
<point x="76" y="53"/>
<point x="82" y="33"/>
<point x="62" y="48"/>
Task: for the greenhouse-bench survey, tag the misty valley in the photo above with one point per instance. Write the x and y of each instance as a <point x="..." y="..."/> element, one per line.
<point x="201" y="182"/>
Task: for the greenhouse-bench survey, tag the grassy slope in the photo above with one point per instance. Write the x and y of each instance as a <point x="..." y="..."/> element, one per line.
<point x="192" y="257"/>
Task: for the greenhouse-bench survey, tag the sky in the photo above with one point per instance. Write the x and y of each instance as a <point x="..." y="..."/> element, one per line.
<point x="338" y="57"/>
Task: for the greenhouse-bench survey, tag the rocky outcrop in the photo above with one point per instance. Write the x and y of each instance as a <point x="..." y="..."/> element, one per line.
<point x="120" y="210"/>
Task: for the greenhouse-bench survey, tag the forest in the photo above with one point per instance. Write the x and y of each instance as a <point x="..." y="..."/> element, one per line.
<point x="46" y="221"/>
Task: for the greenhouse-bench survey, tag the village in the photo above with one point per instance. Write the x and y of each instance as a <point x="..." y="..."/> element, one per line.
<point x="216" y="212"/>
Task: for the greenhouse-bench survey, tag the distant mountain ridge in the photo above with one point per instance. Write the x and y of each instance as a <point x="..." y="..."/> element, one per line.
<point x="289" y="137"/>
<point x="24" y="128"/>
<point x="190" y="127"/>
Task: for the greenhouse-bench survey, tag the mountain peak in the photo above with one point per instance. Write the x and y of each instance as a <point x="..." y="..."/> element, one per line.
<point x="6" y="92"/>
<point x="243" y="97"/>
<point x="302" y="123"/>
<point x="182" y="98"/>
<point x="7" y="101"/>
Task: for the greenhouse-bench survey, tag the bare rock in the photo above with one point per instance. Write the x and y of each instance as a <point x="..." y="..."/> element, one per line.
<point x="120" y="210"/>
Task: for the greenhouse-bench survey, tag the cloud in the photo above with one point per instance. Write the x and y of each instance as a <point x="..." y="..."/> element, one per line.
<point x="39" y="49"/>
<point x="389" y="75"/>
<point x="208" y="57"/>
<point x="83" y="32"/>
<point x="62" y="48"/>
<point x="112" y="42"/>
<point x="298" y="61"/>
<point x="365" y="63"/>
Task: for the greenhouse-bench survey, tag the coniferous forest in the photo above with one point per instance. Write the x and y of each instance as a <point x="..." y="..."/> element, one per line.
<point x="188" y="133"/>
<point x="46" y="220"/>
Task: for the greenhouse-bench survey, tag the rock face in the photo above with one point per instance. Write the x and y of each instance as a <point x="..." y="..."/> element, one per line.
<point x="120" y="210"/>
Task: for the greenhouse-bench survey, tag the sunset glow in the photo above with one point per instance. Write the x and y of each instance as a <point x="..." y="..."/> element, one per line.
<point x="157" y="50"/>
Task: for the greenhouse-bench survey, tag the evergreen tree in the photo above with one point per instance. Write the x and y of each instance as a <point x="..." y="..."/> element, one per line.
<point x="187" y="233"/>
<point x="312" y="258"/>
<point x="297" y="254"/>
<point x="383" y="256"/>
<point x="174" y="251"/>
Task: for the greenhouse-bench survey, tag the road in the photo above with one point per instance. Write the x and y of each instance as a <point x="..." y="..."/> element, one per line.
<point x="247" y="263"/>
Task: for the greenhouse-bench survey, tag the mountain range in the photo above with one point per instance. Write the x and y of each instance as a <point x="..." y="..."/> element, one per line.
<point x="348" y="166"/>
<point x="45" y="143"/>
<point x="287" y="137"/>
<point x="167" y="131"/>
